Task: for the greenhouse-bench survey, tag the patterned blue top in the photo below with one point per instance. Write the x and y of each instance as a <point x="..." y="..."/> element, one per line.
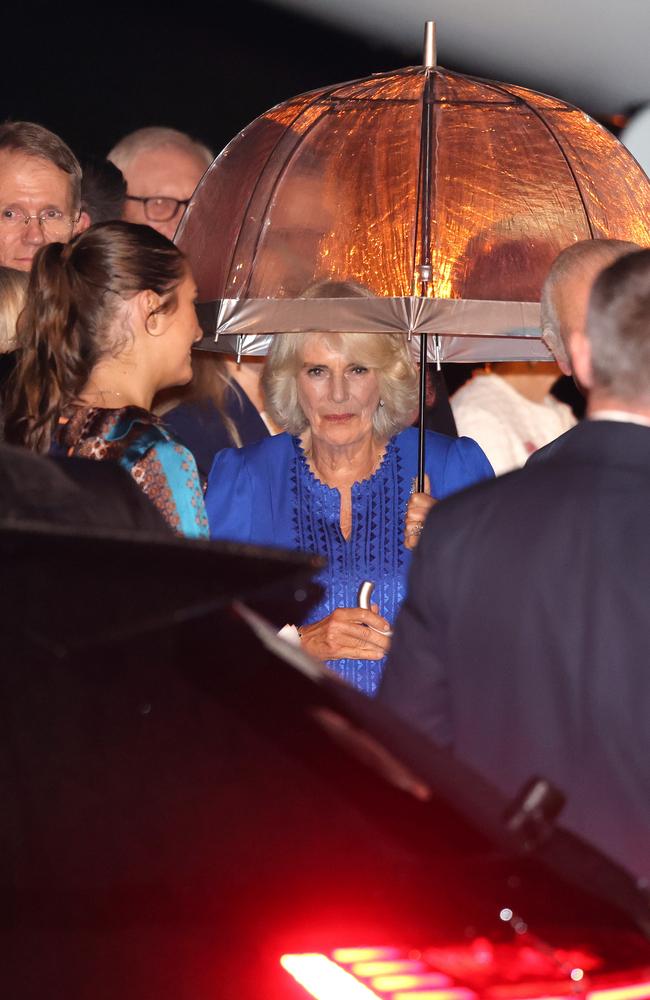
<point x="266" y="494"/>
<point x="163" y="469"/>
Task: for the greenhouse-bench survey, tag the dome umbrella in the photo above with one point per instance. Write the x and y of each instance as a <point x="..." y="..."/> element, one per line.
<point x="444" y="196"/>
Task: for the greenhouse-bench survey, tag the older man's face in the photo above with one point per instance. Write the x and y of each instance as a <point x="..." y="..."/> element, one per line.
<point x="35" y="207"/>
<point x="167" y="175"/>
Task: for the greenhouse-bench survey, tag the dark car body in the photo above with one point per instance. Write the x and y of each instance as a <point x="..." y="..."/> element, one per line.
<point x="186" y="800"/>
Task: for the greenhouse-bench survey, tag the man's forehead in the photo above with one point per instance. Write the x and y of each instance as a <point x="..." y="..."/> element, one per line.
<point x="161" y="170"/>
<point x="32" y="177"/>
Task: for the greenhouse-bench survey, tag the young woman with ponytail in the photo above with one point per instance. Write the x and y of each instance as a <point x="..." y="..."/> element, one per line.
<point x="110" y="321"/>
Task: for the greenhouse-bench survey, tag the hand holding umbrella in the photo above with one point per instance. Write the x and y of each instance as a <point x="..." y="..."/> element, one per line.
<point x="418" y="508"/>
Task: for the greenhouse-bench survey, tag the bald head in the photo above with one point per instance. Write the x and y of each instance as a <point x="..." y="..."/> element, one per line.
<point x="565" y="296"/>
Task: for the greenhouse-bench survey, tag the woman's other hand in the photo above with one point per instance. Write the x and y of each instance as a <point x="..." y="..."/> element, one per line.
<point x="419" y="506"/>
<point x="345" y="635"/>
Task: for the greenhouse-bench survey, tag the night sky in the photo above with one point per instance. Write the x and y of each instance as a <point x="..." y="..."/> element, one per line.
<point x="92" y="74"/>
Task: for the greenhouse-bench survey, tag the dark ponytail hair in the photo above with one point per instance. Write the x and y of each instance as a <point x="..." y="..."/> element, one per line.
<point x="73" y="297"/>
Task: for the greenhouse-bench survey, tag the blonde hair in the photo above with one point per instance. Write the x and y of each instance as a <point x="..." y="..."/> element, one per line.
<point x="385" y="353"/>
<point x="13" y="289"/>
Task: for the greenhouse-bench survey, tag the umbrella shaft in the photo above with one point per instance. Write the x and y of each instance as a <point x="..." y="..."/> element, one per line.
<point x="422" y="416"/>
<point x="426" y="180"/>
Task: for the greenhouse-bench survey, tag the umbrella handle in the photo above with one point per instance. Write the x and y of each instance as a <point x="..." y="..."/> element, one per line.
<point x="365" y="593"/>
<point x="363" y="600"/>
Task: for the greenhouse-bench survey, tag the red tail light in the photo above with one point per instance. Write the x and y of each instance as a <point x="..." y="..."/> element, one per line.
<point x="324" y="979"/>
<point x="477" y="971"/>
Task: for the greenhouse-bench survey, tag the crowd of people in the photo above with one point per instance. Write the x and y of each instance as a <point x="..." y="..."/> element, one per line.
<point x="522" y="639"/>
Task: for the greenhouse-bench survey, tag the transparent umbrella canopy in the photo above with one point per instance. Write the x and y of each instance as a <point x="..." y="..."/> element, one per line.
<point x="446" y="197"/>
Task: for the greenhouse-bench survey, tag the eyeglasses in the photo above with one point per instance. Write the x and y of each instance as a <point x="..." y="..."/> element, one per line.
<point x="54" y="224"/>
<point x="160" y="209"/>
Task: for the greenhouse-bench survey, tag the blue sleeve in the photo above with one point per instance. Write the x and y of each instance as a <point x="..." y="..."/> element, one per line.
<point x="465" y="465"/>
<point x="167" y="474"/>
<point x="229" y="497"/>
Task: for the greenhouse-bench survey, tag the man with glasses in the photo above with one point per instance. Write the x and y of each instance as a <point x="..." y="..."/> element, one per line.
<point x="40" y="192"/>
<point x="162" y="168"/>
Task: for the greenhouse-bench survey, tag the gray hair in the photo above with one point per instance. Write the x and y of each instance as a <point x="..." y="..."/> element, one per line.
<point x="387" y="353"/>
<point x="580" y="261"/>
<point x="152" y="137"/>
<point x="618" y="329"/>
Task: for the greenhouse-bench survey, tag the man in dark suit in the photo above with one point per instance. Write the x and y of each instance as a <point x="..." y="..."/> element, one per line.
<point x="524" y="641"/>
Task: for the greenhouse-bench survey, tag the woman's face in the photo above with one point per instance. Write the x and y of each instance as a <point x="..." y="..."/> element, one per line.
<point x="180" y="330"/>
<point x="338" y="393"/>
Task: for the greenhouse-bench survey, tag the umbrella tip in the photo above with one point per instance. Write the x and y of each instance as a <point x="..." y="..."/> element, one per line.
<point x="430" y="55"/>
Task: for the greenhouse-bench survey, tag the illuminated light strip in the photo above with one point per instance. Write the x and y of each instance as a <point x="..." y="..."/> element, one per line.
<point x="455" y="994"/>
<point x="370" y="969"/>
<point x="349" y="955"/>
<point x="639" y="991"/>
<point x="324" y="979"/>
<point x="387" y="984"/>
<point x="571" y="993"/>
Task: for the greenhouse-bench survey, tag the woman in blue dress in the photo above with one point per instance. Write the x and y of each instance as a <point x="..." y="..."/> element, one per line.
<point x="340" y="483"/>
<point x="110" y="320"/>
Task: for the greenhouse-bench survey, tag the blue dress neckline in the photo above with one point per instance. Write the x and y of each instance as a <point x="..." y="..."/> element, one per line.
<point x="330" y="496"/>
<point x="367" y="483"/>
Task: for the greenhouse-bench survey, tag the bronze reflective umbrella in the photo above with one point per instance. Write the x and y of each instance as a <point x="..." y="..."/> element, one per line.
<point x="446" y="196"/>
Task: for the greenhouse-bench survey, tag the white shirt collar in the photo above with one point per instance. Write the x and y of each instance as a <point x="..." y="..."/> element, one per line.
<point x="620" y="416"/>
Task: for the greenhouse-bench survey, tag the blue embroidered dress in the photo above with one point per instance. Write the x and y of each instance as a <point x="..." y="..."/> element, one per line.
<point x="266" y="494"/>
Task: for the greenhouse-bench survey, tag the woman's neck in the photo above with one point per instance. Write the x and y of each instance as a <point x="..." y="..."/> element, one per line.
<point x="343" y="465"/>
<point x="114" y="384"/>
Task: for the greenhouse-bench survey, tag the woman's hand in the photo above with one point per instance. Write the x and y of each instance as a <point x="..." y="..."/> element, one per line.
<point x="416" y="514"/>
<point x="344" y="635"/>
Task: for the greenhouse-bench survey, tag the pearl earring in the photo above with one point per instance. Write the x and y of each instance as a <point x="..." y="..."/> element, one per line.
<point x="381" y="402"/>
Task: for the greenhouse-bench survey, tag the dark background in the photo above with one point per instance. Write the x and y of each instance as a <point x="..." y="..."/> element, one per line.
<point x="93" y="73"/>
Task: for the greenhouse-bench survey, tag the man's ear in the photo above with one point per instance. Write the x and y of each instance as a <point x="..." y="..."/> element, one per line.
<point x="555" y="345"/>
<point x="580" y="352"/>
<point x="82" y="223"/>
